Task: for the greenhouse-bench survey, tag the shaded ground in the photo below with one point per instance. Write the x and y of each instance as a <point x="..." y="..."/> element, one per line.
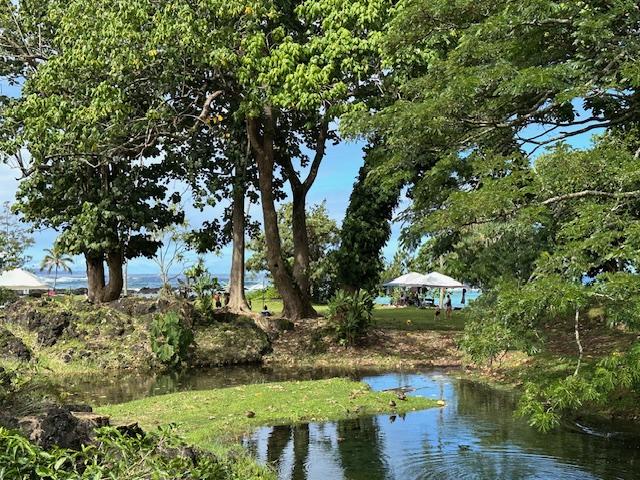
<point x="310" y="344"/>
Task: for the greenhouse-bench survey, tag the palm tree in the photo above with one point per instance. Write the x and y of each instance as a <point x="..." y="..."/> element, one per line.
<point x="55" y="259"/>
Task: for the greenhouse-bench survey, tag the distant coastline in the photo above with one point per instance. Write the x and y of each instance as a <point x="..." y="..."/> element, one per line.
<point x="136" y="281"/>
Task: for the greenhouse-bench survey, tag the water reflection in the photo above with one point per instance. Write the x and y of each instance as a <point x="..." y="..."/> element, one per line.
<point x="101" y="390"/>
<point x="475" y="436"/>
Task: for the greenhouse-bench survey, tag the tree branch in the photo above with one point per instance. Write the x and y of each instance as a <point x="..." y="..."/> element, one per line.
<point x="590" y="193"/>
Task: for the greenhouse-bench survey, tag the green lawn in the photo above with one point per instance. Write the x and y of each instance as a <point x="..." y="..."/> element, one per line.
<point x="406" y="318"/>
<point x="206" y="417"/>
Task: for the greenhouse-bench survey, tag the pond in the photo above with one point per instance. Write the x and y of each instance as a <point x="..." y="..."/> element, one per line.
<point x="475" y="436"/>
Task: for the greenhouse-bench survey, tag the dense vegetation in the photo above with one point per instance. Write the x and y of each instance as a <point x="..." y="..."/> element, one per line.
<point x="479" y="112"/>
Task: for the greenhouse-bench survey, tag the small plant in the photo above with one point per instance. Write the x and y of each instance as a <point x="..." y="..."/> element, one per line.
<point x="203" y="285"/>
<point x="170" y="338"/>
<point x="351" y="315"/>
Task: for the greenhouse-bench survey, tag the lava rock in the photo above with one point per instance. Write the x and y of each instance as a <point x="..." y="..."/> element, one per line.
<point x="11" y="347"/>
<point x="52" y="330"/>
<point x="58" y="425"/>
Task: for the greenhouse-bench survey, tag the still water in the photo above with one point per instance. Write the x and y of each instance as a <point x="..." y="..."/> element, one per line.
<point x="475" y="436"/>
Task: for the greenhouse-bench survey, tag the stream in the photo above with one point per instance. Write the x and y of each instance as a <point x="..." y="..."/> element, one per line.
<point x="475" y="436"/>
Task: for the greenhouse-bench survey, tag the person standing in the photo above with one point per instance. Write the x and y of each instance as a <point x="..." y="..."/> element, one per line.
<point x="216" y="298"/>
<point x="448" y="306"/>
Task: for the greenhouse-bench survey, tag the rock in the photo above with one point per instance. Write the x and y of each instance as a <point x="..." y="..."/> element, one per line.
<point x="11" y="347"/>
<point x="441" y="403"/>
<point x="130" y="430"/>
<point x="51" y="330"/>
<point x="234" y="343"/>
<point x="401" y="396"/>
<point x="59" y="426"/>
<point x="249" y="414"/>
<point x="78" y="407"/>
<point x="392" y="404"/>
<point x="274" y="324"/>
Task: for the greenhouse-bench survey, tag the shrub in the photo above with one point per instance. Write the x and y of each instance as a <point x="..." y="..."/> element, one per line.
<point x="351" y="315"/>
<point x="170" y="338"/>
<point x="114" y="455"/>
<point x="7" y="296"/>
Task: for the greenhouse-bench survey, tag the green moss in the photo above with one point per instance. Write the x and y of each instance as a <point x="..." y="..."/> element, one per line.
<point x="206" y="417"/>
<point x="231" y="343"/>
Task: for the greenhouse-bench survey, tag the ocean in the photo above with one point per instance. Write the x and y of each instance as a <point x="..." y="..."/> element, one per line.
<point x="136" y="281"/>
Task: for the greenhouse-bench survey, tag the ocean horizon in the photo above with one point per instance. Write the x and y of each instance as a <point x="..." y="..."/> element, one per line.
<point x="136" y="281"/>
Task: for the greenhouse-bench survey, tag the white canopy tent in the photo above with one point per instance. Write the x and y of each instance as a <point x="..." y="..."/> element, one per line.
<point x="439" y="280"/>
<point x="408" y="280"/>
<point x="431" y="280"/>
<point x="21" y="280"/>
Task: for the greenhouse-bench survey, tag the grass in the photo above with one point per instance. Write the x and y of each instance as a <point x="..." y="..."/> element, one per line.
<point x="405" y="318"/>
<point x="208" y="417"/>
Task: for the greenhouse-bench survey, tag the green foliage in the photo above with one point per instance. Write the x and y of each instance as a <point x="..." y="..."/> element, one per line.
<point x="7" y="296"/>
<point x="350" y="315"/>
<point x="115" y="455"/>
<point x="323" y="234"/>
<point x="14" y="240"/>
<point x="366" y="227"/>
<point x="614" y="376"/>
<point x="204" y="285"/>
<point x="170" y="338"/>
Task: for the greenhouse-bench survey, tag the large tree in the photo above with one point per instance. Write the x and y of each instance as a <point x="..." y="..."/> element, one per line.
<point x="297" y="67"/>
<point x="492" y="84"/>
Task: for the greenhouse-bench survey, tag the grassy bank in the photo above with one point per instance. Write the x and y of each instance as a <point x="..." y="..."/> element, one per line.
<point x="207" y="417"/>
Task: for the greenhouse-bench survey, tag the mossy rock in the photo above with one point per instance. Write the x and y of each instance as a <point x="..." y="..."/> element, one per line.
<point x="237" y="342"/>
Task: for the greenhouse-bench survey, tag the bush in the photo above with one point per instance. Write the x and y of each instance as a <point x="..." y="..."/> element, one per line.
<point x="7" y="296"/>
<point x="115" y="455"/>
<point x="170" y="338"/>
<point x="351" y="315"/>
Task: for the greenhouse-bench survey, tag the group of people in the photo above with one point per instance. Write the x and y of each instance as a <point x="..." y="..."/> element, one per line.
<point x="413" y="299"/>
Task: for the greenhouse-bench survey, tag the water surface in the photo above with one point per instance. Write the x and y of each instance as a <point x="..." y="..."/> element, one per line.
<point x="474" y="437"/>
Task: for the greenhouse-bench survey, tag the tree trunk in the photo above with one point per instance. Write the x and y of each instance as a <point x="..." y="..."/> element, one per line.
<point x="237" y="300"/>
<point x="301" y="255"/>
<point x="113" y="289"/>
<point x="98" y="291"/>
<point x="95" y="276"/>
<point x="295" y="305"/>
<point x="55" y="279"/>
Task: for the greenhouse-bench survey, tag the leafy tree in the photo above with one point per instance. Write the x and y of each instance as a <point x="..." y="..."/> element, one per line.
<point x="14" y="240"/>
<point x="323" y="235"/>
<point x="492" y="85"/>
<point x="91" y="173"/>
<point x="55" y="259"/>
<point x="367" y="224"/>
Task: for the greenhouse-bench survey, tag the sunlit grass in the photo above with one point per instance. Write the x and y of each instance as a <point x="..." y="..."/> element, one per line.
<point x="405" y="318"/>
<point x="210" y="416"/>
